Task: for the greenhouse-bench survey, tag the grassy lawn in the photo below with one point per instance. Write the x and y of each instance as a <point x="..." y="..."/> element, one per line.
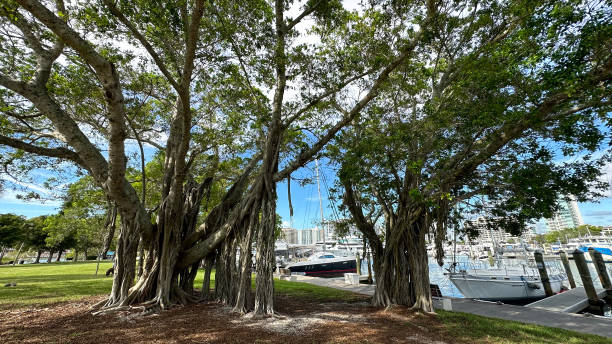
<point x="39" y="284"/>
<point x="479" y="329"/>
<point x="50" y="283"/>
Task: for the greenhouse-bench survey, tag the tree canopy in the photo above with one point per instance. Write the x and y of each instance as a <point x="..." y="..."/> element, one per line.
<point x="184" y="116"/>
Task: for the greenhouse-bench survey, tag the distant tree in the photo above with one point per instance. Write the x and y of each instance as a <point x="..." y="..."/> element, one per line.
<point x="11" y="232"/>
<point x="563" y="235"/>
<point x="35" y="236"/>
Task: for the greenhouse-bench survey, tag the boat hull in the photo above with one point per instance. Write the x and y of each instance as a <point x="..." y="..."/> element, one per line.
<point x="500" y="289"/>
<point x="325" y="269"/>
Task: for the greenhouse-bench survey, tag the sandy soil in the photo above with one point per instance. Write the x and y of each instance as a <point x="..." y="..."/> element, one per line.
<point x="298" y="321"/>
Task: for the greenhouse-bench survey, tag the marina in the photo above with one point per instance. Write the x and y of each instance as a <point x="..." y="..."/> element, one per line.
<point x="477" y="287"/>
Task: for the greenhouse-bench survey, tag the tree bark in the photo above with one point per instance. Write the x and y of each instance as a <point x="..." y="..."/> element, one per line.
<point x="264" y="291"/>
<point x="243" y="294"/>
<point x="419" y="266"/>
<point x="208" y="265"/>
<point x="125" y="257"/>
<point x="38" y="254"/>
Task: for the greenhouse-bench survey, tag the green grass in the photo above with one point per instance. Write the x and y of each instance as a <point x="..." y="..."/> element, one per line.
<point x="309" y="291"/>
<point x="39" y="284"/>
<point x="479" y="329"/>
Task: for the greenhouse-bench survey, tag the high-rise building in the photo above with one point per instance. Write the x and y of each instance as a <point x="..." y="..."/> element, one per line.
<point x="291" y="235"/>
<point x="568" y="215"/>
<point x="486" y="235"/>
<point x="498" y="235"/>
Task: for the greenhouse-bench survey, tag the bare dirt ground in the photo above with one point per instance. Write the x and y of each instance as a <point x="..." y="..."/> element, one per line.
<point x="299" y="321"/>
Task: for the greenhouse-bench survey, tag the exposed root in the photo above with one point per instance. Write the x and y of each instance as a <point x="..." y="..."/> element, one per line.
<point x="98" y="305"/>
<point x="111" y="310"/>
<point x="419" y="308"/>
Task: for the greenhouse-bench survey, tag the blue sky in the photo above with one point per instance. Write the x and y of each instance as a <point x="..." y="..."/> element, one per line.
<point x="305" y="202"/>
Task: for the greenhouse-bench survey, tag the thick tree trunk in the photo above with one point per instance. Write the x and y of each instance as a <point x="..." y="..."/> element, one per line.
<point x="51" y="252"/>
<point x="1" y="254"/>
<point x="125" y="258"/>
<point x="38" y="254"/>
<point x="392" y="276"/>
<point x="419" y="267"/>
<point x="208" y="265"/>
<point x="264" y="291"/>
<point x="243" y="293"/>
<point x="222" y="275"/>
<point x="75" y="258"/>
<point x="59" y="255"/>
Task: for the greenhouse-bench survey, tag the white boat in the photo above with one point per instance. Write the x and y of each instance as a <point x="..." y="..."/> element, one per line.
<point x="599" y="243"/>
<point x="505" y="284"/>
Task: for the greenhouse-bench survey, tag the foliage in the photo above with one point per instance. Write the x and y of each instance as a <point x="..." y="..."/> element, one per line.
<point x="11" y="230"/>
<point x="561" y="236"/>
<point x="35" y="236"/>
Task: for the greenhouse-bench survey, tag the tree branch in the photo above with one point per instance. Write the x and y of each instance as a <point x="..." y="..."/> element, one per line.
<point x="299" y="18"/>
<point x="61" y="152"/>
<point x="307" y="155"/>
<point x="134" y="30"/>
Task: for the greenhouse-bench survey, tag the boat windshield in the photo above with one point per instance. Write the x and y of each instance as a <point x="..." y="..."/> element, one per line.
<point x="326" y="256"/>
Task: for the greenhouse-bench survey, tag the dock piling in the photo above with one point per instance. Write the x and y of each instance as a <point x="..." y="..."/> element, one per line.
<point x="600" y="265"/>
<point x="539" y="258"/>
<point x="602" y="272"/>
<point x="595" y="304"/>
<point x="568" y="271"/>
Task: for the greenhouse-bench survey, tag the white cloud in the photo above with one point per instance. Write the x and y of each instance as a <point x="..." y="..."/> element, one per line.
<point x="29" y="186"/>
<point x="9" y="197"/>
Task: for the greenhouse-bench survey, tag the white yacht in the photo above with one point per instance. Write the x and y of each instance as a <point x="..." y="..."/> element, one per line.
<point x="505" y="283"/>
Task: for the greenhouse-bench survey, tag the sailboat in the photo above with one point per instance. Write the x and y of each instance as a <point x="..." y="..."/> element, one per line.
<point x="324" y="263"/>
<point x="504" y="283"/>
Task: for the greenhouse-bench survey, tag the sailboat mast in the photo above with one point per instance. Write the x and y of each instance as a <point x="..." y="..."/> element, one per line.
<point x="321" y="205"/>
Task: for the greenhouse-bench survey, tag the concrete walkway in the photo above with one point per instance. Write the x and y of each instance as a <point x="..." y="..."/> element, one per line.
<point x="569" y="321"/>
<point x="570" y="301"/>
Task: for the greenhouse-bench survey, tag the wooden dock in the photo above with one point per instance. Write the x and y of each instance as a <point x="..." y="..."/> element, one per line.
<point x="571" y="301"/>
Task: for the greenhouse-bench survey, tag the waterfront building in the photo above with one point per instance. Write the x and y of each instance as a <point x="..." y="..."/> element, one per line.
<point x="498" y="235"/>
<point x="291" y="235"/>
<point x="568" y="215"/>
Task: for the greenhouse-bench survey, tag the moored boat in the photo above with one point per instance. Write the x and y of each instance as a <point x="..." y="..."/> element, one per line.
<point x="504" y="284"/>
<point x="324" y="264"/>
